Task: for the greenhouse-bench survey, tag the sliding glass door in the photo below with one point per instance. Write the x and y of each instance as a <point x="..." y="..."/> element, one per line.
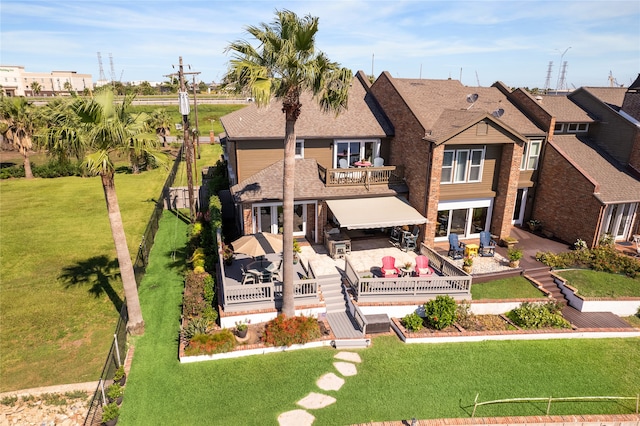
<point x="617" y="220"/>
<point x="465" y="218"/>
<point x="269" y="218"/>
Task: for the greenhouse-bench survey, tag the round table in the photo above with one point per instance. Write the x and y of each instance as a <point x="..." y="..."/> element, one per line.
<point x="362" y="164"/>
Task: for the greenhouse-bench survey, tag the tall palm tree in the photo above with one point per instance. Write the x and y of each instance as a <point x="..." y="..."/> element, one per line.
<point x="36" y="87"/>
<point x="284" y="65"/>
<point x="18" y="123"/>
<point x="160" y="121"/>
<point x="105" y="130"/>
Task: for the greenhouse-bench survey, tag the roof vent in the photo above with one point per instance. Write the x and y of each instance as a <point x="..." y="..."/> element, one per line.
<point x="498" y="113"/>
<point x="471" y="98"/>
<point x="539" y="99"/>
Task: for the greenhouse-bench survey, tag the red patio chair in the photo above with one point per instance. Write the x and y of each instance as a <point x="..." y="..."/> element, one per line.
<point x="389" y="267"/>
<point x="422" y="266"/>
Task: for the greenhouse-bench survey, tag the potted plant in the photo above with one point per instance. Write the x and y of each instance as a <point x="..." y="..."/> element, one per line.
<point x="509" y="241"/>
<point x="467" y="264"/>
<point x="110" y="413"/>
<point x="296" y="250"/>
<point x="534" y="225"/>
<point x="115" y="393"/>
<point x="514" y="254"/>
<point x="242" y="327"/>
<point x="119" y="376"/>
<point x="227" y="254"/>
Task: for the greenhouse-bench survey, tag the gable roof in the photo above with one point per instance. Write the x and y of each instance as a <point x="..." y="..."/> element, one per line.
<point x="613" y="183"/>
<point x="612" y="96"/>
<point x="442" y="104"/>
<point x="266" y="185"/>
<point x="363" y="118"/>
<point x="562" y="108"/>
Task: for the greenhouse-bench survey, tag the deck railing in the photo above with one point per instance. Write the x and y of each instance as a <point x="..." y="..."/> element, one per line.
<point x="452" y="281"/>
<point x="366" y="176"/>
<point x="234" y="294"/>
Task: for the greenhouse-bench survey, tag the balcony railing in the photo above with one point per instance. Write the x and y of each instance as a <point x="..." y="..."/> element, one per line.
<point x="366" y="176"/>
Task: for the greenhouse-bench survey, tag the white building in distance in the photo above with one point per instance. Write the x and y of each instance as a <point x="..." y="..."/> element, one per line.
<point x="15" y="81"/>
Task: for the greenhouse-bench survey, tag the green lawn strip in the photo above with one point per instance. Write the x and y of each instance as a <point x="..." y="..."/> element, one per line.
<point x="55" y="331"/>
<point x="506" y="288"/>
<point x="601" y="284"/>
<point x="395" y="381"/>
<point x="206" y="113"/>
<point x="209" y="155"/>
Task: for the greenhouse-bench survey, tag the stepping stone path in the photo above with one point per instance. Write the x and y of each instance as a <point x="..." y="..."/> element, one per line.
<point x="346" y="366"/>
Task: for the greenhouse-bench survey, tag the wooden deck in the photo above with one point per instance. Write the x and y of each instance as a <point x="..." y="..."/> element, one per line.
<point x="594" y="320"/>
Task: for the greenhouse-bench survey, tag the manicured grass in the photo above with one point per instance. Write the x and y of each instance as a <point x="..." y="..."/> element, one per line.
<point x="506" y="288"/>
<point x="209" y="155"/>
<point x="206" y="113"/>
<point x="395" y="381"/>
<point x="602" y="284"/>
<point x="54" y="331"/>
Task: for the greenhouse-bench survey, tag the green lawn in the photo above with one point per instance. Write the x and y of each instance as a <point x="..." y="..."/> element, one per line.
<point x="602" y="284"/>
<point x="209" y="155"/>
<point x="506" y="288"/>
<point x="395" y="381"/>
<point x="51" y="332"/>
<point x="208" y="115"/>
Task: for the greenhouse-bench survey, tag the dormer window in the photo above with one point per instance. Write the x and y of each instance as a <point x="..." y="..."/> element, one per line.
<point x="577" y="127"/>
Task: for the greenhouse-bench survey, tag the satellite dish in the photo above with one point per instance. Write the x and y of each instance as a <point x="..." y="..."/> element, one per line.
<point x="498" y="113"/>
<point x="471" y="98"/>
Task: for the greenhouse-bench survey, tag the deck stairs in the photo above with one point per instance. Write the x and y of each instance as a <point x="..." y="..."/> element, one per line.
<point x="344" y="327"/>
<point x="591" y="320"/>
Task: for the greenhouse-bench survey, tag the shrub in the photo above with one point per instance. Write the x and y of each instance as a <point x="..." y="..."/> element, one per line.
<point x="538" y="315"/>
<point x="514" y="254"/>
<point x="222" y="341"/>
<point x="54" y="169"/>
<point x="413" y="322"/>
<point x="464" y="316"/>
<point x="285" y="331"/>
<point x="115" y="391"/>
<point x="440" y="312"/>
<point x="196" y="326"/>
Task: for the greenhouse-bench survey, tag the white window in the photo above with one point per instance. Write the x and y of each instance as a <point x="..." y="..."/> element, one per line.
<point x="354" y="151"/>
<point x="530" y="155"/>
<point x="559" y="128"/>
<point x="578" y="127"/>
<point x="462" y="165"/>
<point x="300" y="148"/>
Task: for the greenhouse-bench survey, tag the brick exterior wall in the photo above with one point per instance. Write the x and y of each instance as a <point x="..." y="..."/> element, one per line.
<point x="408" y="148"/>
<point x="247" y="219"/>
<point x="565" y="202"/>
<point x="507" y="190"/>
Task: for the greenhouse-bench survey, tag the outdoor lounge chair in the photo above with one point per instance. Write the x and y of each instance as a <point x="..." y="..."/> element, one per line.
<point x="487" y="245"/>
<point x="409" y="240"/>
<point x="456" y="248"/>
<point x="422" y="266"/>
<point x="396" y="235"/>
<point x="389" y="267"/>
<point x="378" y="162"/>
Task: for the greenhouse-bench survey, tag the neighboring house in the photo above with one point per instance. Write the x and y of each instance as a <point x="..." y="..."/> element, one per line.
<point x="588" y="184"/>
<point x="329" y="184"/>
<point x="469" y="154"/>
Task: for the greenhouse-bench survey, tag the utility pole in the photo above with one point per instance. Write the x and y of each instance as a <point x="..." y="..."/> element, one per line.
<point x="196" y="132"/>
<point x="183" y="98"/>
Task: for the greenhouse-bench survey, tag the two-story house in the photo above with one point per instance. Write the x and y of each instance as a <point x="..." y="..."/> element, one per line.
<point x="588" y="183"/>
<point x="469" y="154"/>
<point x="332" y="184"/>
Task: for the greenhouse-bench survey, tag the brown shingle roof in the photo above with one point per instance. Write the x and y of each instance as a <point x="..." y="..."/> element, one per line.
<point x="433" y="100"/>
<point x="614" y="96"/>
<point x="614" y="184"/>
<point x="563" y="109"/>
<point x="266" y="185"/>
<point x="363" y="118"/>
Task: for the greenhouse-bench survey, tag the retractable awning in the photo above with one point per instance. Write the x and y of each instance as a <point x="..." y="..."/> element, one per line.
<point x="379" y="212"/>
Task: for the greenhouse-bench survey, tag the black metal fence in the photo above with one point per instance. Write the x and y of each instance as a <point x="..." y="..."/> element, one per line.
<point x="117" y="353"/>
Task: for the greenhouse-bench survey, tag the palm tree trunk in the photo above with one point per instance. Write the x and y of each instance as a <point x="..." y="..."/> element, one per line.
<point x="135" y="325"/>
<point x="288" y="186"/>
<point x="28" y="174"/>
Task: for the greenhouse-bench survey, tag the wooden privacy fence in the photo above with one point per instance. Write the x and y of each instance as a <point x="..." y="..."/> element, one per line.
<point x="550" y="399"/>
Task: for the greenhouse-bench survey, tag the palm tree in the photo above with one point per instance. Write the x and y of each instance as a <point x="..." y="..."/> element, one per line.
<point x="284" y="65"/>
<point x="36" y="88"/>
<point x="108" y="129"/>
<point x="18" y="124"/>
<point x="160" y="121"/>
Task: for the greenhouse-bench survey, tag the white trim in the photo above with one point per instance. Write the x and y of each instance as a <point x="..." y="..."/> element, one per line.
<point x="361" y="142"/>
<point x="274" y="217"/>
<point x="523" y="205"/>
<point x="301" y="142"/>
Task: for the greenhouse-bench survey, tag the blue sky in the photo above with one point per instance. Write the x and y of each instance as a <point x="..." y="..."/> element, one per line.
<point x="510" y="41"/>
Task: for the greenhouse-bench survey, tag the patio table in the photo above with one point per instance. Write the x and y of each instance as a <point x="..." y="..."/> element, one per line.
<point x="362" y="164"/>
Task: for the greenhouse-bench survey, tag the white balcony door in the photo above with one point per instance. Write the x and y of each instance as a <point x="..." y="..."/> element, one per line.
<point x="617" y="220"/>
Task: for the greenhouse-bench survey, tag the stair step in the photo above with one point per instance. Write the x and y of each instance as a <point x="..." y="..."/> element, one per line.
<point x="351" y="343"/>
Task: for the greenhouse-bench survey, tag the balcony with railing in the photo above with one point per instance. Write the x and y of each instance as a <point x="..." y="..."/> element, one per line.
<point x="365" y="176"/>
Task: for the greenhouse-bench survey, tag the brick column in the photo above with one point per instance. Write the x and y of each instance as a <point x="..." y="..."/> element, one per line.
<point x="433" y="195"/>
<point x="504" y="202"/>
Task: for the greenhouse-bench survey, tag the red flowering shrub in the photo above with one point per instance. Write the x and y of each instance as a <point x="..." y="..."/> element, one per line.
<point x="223" y="341"/>
<point x="285" y="331"/>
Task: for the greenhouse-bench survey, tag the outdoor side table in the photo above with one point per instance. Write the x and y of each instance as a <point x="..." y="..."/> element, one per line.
<point x="471" y="250"/>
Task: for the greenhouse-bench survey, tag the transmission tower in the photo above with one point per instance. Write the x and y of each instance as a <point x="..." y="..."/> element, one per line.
<point x="562" y="84"/>
<point x="102" y="77"/>
<point x="113" y="71"/>
<point x="547" y="82"/>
